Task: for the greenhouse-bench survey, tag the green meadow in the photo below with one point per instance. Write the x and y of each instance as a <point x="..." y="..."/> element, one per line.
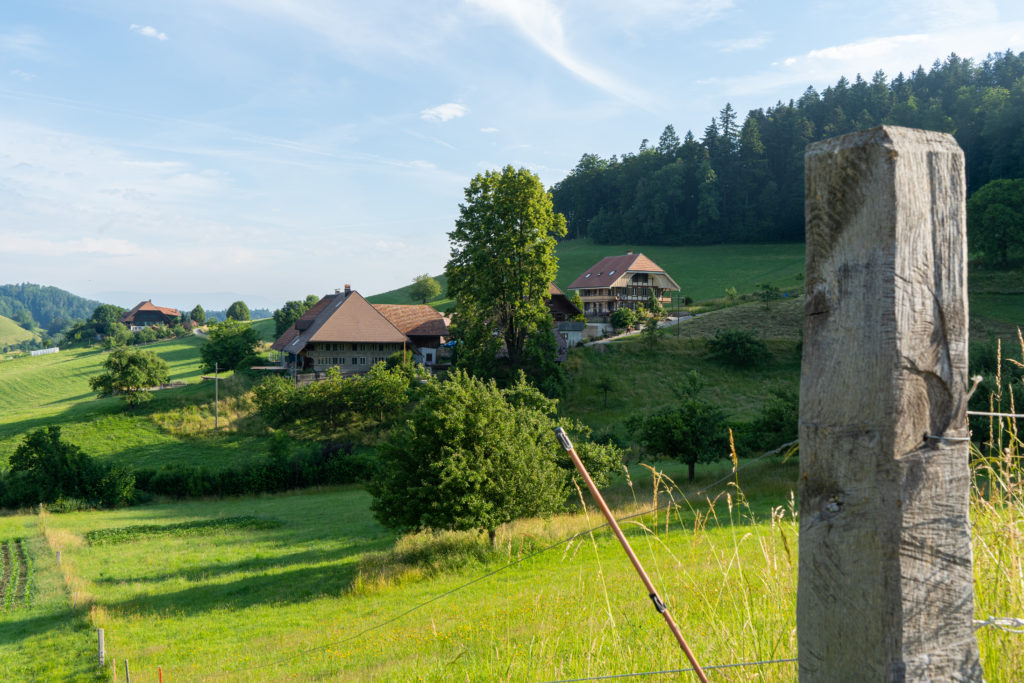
<point x="13" y="333"/>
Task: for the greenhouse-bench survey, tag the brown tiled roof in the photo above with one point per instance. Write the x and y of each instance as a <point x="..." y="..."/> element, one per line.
<point x="610" y="268"/>
<point x="419" y="320"/>
<point x="148" y="306"/>
<point x="559" y="302"/>
<point x="340" y="318"/>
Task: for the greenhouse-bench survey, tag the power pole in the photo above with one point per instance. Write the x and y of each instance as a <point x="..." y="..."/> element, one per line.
<point x="216" y="395"/>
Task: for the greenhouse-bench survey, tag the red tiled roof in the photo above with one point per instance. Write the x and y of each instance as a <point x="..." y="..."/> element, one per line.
<point x="419" y="320"/>
<point x="610" y="268"/>
<point x="148" y="306"/>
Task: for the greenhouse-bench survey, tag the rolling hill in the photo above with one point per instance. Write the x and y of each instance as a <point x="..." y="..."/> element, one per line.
<point x="13" y="333"/>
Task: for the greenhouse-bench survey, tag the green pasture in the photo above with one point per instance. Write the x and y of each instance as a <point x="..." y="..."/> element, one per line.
<point x="13" y="333"/>
<point x="401" y="296"/>
<point x="174" y="427"/>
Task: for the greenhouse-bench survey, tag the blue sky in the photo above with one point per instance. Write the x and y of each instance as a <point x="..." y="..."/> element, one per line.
<point x="198" y="151"/>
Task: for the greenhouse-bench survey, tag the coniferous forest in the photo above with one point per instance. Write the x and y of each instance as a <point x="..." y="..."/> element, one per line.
<point x="742" y="181"/>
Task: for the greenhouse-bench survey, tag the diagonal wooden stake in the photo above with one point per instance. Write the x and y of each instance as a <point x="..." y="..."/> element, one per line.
<point x="563" y="439"/>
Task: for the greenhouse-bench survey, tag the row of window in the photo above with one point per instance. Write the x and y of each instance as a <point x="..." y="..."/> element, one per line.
<point x="340" y="360"/>
<point x="343" y="346"/>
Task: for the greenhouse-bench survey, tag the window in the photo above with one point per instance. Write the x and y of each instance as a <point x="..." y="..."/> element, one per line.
<point x="586" y="276"/>
<point x="341" y="361"/>
<point x="611" y="272"/>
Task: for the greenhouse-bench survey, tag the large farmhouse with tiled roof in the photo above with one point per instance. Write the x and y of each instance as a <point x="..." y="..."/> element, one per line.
<point x="624" y="281"/>
<point x="145" y="314"/>
<point x="345" y="331"/>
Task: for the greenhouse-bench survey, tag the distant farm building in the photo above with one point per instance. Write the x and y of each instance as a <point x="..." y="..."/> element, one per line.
<point x="625" y="281"/>
<point x="145" y="314"/>
<point x="345" y="331"/>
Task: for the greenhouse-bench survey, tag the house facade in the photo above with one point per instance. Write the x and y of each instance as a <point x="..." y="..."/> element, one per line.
<point x="625" y="281"/>
<point x="345" y="331"/>
<point x="145" y="314"/>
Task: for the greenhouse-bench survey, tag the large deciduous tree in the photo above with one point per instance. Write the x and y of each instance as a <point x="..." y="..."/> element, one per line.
<point x="198" y="314"/>
<point x="129" y="372"/>
<point x="693" y="432"/>
<point x="237" y="311"/>
<point x="424" y="288"/>
<point x="474" y="456"/>
<point x="995" y="219"/>
<point x="290" y="312"/>
<point x="230" y="342"/>
<point x="503" y="260"/>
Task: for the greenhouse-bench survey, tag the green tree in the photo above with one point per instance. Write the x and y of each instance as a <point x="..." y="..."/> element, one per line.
<point x="654" y="307"/>
<point x="118" y="336"/>
<point x="237" y="311"/>
<point x="229" y="343"/>
<point x="623" y="318"/>
<point x="693" y="432"/>
<point x="503" y="260"/>
<point x="198" y="314"/>
<point x="995" y="220"/>
<point x="424" y="288"/>
<point x="649" y="335"/>
<point x="739" y="348"/>
<point x="605" y="384"/>
<point x="129" y="372"/>
<point x="104" y="317"/>
<point x="285" y="316"/>
<point x="577" y="301"/>
<point x="767" y="293"/>
<point x="473" y="456"/>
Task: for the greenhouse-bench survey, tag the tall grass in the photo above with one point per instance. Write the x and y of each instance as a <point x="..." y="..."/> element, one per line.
<point x="998" y="516"/>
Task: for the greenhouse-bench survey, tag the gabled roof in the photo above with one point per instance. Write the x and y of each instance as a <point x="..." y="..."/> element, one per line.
<point x="419" y="320"/>
<point x="148" y="306"/>
<point x="340" y="318"/>
<point x="609" y="269"/>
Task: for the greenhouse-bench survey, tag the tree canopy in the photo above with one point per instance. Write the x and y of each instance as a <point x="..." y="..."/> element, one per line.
<point x="285" y="316"/>
<point x="129" y="372"/>
<point x="230" y="342"/>
<point x="424" y="288"/>
<point x="501" y="267"/>
<point x="474" y="456"/>
<point x="995" y="220"/>
<point x="237" y="311"/>
<point x="693" y="432"/>
<point x="742" y="179"/>
<point x="198" y="314"/>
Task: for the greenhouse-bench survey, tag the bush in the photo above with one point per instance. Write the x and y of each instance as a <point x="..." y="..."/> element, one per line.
<point x="739" y="348"/>
<point x="229" y="343"/>
<point x="623" y="318"/>
<point x="693" y="432"/>
<point x="46" y="469"/>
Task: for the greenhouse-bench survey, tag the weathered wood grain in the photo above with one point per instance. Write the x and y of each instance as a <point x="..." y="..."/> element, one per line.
<point x="885" y="588"/>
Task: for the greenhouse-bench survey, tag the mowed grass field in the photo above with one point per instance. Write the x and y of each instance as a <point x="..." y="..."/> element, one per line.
<point x="13" y="333"/>
<point x="311" y="587"/>
<point x="174" y="427"/>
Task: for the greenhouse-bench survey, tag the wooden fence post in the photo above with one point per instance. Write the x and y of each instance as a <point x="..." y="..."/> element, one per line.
<point x="102" y="649"/>
<point x="885" y="590"/>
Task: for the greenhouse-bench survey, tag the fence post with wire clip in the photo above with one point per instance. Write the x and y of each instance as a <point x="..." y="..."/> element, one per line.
<point x="885" y="586"/>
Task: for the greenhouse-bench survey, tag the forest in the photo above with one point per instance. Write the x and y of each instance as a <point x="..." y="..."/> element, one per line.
<point x="743" y="181"/>
<point x="40" y="306"/>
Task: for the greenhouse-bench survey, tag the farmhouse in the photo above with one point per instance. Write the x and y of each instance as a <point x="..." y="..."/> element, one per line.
<point x="624" y="281"/>
<point x="564" y="311"/>
<point x="145" y="314"/>
<point x="345" y="331"/>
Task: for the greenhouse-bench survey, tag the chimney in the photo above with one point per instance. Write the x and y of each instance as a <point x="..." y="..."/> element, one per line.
<point x="337" y="291"/>
<point x="629" y="253"/>
<point x="348" y="290"/>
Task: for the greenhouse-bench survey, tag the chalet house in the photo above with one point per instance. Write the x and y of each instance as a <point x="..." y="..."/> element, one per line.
<point x="145" y="314"/>
<point x="345" y="331"/>
<point x="624" y="281"/>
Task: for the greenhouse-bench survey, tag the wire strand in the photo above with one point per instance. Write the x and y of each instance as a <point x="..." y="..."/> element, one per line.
<point x="671" y="671"/>
<point x="491" y="573"/>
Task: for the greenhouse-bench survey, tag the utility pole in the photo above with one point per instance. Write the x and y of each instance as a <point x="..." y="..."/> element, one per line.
<point x="216" y="395"/>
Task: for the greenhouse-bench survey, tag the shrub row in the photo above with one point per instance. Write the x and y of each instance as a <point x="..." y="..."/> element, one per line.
<point x="281" y="470"/>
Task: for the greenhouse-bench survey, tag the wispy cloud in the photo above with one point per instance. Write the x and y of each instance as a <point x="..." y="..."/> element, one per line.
<point x="23" y="75"/>
<point x="674" y="14"/>
<point x="444" y="112"/>
<point x="540" y="22"/>
<point x="23" y="44"/>
<point x="489" y="130"/>
<point x="148" y="31"/>
<point x="743" y="44"/>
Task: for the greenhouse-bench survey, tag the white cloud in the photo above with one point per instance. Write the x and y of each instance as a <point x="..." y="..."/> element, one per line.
<point x="743" y="44"/>
<point x="489" y="130"/>
<point x="148" y="31"/>
<point x="874" y="48"/>
<point x="23" y="44"/>
<point x="541" y="23"/>
<point x="25" y="76"/>
<point x="674" y="14"/>
<point x="443" y="112"/>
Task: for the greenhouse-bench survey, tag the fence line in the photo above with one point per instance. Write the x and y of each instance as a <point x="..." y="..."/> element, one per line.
<point x="1001" y="623"/>
<point x="511" y="564"/>
<point x="671" y="671"/>
<point x="979" y="413"/>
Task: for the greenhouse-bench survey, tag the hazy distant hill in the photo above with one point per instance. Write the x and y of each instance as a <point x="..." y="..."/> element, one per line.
<point x="44" y="304"/>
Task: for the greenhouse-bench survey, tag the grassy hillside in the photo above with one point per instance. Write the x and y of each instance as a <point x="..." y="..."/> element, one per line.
<point x="13" y="333"/>
<point x="176" y="426"/>
<point x="266" y="329"/>
<point x="401" y="296"/>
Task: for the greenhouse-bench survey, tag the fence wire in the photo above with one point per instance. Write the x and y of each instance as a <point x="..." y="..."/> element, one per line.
<point x="608" y="677"/>
<point x="513" y="563"/>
